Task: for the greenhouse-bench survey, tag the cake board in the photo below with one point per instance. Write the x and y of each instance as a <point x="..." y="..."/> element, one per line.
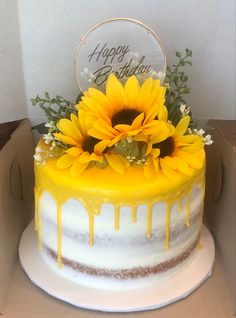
<point x="180" y="284"/>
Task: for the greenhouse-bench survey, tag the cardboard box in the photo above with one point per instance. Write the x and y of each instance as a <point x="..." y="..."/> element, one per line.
<point x="25" y="300"/>
<point x="220" y="203"/>
<point x="16" y="194"/>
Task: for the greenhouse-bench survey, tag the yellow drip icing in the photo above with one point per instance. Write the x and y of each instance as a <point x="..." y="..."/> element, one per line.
<point x="91" y="229"/>
<point x="168" y="212"/>
<point x="117" y="218"/>
<point x="187" y="222"/>
<point x="149" y="221"/>
<point x="59" y="235"/>
<point x="134" y="214"/>
<point x="199" y="244"/>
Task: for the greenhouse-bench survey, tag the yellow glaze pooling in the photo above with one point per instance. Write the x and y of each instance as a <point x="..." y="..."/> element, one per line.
<point x="95" y="186"/>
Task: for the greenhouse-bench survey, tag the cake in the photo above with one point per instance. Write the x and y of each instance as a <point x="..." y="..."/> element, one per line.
<point x="119" y="188"/>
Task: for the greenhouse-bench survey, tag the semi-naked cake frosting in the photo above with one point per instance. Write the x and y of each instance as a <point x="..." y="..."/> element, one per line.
<point x="101" y="227"/>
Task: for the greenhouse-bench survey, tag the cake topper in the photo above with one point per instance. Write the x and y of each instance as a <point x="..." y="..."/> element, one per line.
<point x="104" y="50"/>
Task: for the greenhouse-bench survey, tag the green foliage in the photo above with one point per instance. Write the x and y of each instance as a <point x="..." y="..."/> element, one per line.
<point x="132" y="150"/>
<point x="54" y="108"/>
<point x="176" y="82"/>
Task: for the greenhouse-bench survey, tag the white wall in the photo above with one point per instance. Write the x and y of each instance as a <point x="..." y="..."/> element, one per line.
<point x="12" y="95"/>
<point x="51" y="29"/>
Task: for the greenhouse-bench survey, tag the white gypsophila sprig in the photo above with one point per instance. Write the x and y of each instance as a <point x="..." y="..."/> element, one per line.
<point x="201" y="132"/>
<point x="184" y="109"/>
<point x="48" y="138"/>
<point x="207" y="140"/>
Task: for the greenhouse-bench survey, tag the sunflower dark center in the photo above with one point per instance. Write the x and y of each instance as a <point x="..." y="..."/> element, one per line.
<point x="124" y="116"/>
<point x="89" y="144"/>
<point x="166" y="147"/>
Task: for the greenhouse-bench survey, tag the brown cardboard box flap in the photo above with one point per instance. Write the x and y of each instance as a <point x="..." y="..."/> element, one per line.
<point x="220" y="203"/>
<point x="16" y="195"/>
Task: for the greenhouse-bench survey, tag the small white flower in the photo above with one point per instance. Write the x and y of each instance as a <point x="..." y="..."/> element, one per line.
<point x="129" y="139"/>
<point x="167" y="85"/>
<point x="207" y="140"/>
<point x="184" y="109"/>
<point x="201" y="132"/>
<point x="189" y="131"/>
<point x="37" y="157"/>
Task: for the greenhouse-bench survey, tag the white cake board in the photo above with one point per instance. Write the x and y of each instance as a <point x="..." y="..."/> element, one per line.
<point x="166" y="291"/>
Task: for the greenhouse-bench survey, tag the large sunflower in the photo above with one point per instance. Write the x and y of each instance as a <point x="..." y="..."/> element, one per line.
<point x="84" y="148"/>
<point x="177" y="153"/>
<point x="124" y="110"/>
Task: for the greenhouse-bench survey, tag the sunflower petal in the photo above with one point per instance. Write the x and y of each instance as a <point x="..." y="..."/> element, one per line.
<point x="193" y="160"/>
<point x="115" y="163"/>
<point x="168" y="172"/>
<point x="140" y="137"/>
<point x="155" y="152"/>
<point x="68" y="128"/>
<point x="104" y="126"/>
<point x="77" y="168"/>
<point x="85" y="157"/>
<point x="152" y="113"/>
<point x="95" y="108"/>
<point x="137" y="122"/>
<point x="194" y="147"/>
<point x="99" y="97"/>
<point x="170" y="162"/>
<point x="163" y="114"/>
<point x="145" y="92"/>
<point x="182" y="126"/>
<point x="187" y="139"/>
<point x="101" y="146"/>
<point x="65" y="161"/>
<point x="97" y="158"/>
<point x="183" y="166"/>
<point x="74" y="151"/>
<point x="149" y="149"/>
<point x="115" y="92"/>
<point x="66" y="139"/>
<point x="131" y="90"/>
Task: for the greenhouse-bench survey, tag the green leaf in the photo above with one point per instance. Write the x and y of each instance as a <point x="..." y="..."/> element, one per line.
<point x="41" y="128"/>
<point x="189" y="62"/>
<point x="186" y="90"/>
<point x="178" y="54"/>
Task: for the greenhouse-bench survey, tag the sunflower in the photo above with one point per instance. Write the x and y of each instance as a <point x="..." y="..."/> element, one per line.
<point x="177" y="153"/>
<point x="84" y="149"/>
<point x="124" y="110"/>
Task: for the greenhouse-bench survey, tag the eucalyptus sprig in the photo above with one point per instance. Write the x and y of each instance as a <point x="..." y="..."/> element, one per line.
<point x="54" y="108"/>
<point x="176" y="82"/>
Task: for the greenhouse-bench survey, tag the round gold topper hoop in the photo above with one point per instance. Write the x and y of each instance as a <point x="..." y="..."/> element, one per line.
<point x="148" y="30"/>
